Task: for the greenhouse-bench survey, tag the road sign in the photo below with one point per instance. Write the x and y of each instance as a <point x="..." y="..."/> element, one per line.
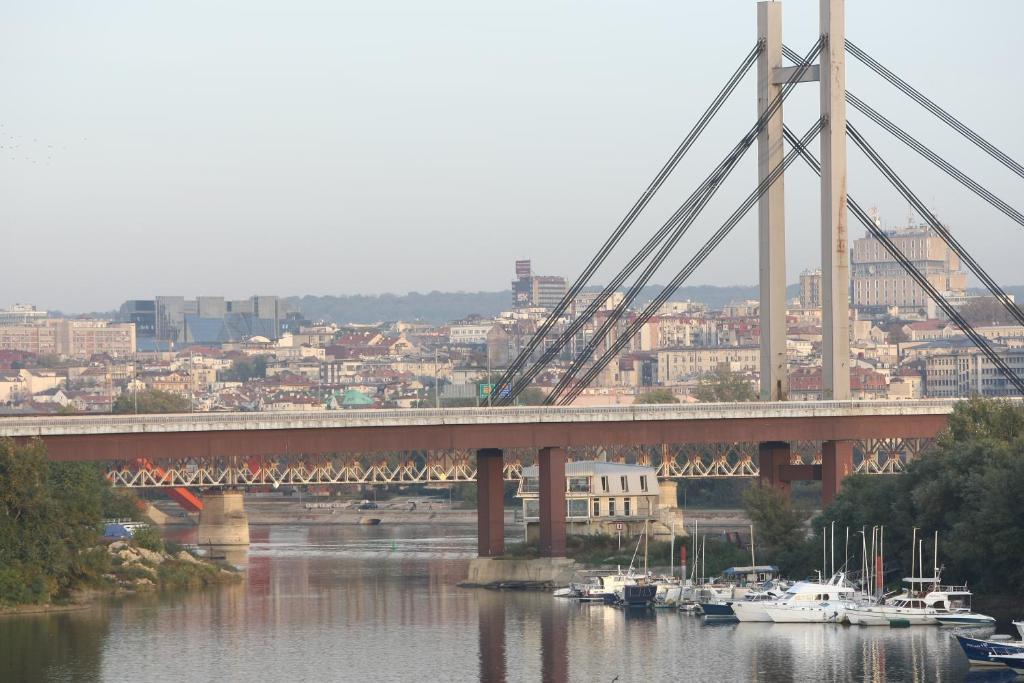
<point x="619" y="526"/>
<point x="485" y="390"/>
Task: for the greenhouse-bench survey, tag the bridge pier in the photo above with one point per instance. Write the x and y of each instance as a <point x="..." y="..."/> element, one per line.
<point x="490" y="507"/>
<point x="836" y="464"/>
<point x="551" y="464"/>
<point x="222" y="520"/>
<point x="773" y="460"/>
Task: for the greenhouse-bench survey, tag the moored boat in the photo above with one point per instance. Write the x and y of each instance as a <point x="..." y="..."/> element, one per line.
<point x="980" y="652"/>
<point x="1015" y="661"/>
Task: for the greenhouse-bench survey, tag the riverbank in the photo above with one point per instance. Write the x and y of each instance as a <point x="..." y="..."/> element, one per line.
<point x="265" y="512"/>
<point x="131" y="568"/>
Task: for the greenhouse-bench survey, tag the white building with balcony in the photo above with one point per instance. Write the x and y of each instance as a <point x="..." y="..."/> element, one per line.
<point x="600" y="498"/>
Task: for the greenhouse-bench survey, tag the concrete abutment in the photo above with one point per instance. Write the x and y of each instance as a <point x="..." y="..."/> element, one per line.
<point x="223" y="520"/>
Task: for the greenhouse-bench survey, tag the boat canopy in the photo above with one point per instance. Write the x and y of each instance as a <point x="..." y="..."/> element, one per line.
<point x="756" y="569"/>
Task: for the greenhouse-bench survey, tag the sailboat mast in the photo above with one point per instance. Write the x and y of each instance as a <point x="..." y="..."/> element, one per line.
<point x="881" y="560"/>
<point x="753" y="563"/>
<point x="846" y="551"/>
<point x="936" y="560"/>
<point x="824" y="550"/>
<point x="913" y="553"/>
<point x="672" y="553"/>
<point x="832" y="549"/>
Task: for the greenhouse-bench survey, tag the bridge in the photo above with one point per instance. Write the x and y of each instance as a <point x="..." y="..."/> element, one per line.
<point x="771" y="439"/>
<point x="228" y="451"/>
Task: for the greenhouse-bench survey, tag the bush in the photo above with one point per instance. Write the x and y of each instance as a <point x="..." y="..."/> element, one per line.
<point x="148" y="538"/>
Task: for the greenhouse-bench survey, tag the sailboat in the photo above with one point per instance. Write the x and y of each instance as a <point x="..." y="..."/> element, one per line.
<point x="924" y="600"/>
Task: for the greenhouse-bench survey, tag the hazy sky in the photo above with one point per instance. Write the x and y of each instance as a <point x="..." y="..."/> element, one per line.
<point x="334" y="147"/>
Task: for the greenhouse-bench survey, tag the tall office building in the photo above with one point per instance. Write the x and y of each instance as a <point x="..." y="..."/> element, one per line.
<point x="879" y="281"/>
<point x="536" y="291"/>
<point x="810" y="289"/>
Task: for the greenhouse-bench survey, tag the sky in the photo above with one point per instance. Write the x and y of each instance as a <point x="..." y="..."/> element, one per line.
<point x="230" y="147"/>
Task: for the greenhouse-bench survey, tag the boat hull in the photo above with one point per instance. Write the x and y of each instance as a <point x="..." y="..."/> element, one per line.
<point x="882" y="617"/>
<point x="806" y="615"/>
<point x="966" y="620"/>
<point x="979" y="652"/>
<point x="750" y="611"/>
<point x="1015" y="663"/>
<point x="717" y="610"/>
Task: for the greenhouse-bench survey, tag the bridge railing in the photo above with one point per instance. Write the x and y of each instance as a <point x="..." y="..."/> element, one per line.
<point x="543" y="413"/>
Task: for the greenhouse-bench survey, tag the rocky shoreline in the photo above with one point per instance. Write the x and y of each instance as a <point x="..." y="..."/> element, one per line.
<point x="135" y="569"/>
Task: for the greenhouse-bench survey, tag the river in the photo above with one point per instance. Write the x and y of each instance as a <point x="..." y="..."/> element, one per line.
<point x="352" y="603"/>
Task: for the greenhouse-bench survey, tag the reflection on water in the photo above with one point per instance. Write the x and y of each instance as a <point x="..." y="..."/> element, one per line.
<point x="381" y="603"/>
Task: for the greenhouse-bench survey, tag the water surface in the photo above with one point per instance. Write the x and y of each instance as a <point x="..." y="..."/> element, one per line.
<point x="350" y="603"/>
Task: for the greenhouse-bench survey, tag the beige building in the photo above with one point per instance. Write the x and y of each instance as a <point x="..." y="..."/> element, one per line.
<point x="600" y="498"/>
<point x="83" y="338"/>
<point x="35" y="339"/>
<point x="880" y="281"/>
<point x="810" y="289"/>
<point x="675" y="365"/>
<point x="76" y="338"/>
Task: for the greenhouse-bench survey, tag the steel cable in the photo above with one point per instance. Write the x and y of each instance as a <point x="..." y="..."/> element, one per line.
<point x="711" y="185"/>
<point x="655" y="304"/>
<point x="632" y="214"/>
<point x="935" y="109"/>
<point x="934" y="223"/>
<point x="951" y="312"/>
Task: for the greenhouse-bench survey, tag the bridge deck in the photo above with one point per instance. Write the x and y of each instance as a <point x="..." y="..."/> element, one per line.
<point x="212" y="435"/>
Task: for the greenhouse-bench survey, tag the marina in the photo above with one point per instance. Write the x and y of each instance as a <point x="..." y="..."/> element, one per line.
<point x="333" y="602"/>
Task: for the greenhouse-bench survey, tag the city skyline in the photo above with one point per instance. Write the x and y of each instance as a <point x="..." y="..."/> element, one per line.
<point x="295" y="153"/>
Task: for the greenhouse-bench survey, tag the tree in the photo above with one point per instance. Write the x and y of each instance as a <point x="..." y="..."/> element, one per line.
<point x="50" y="515"/>
<point x="656" y="396"/>
<point x="151" y="401"/>
<point x="985" y="311"/>
<point x="896" y="333"/>
<point x="722" y="385"/>
<point x="780" y="530"/>
<point x="245" y="368"/>
<point x="966" y="489"/>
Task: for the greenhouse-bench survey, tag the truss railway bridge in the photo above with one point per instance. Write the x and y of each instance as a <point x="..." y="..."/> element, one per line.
<point x="222" y="453"/>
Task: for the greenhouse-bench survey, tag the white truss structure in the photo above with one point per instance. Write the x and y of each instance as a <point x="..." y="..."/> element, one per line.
<point x="689" y="461"/>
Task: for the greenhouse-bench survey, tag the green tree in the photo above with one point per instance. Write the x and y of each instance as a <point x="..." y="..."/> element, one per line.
<point x="245" y="368"/>
<point x="722" y="385"/>
<point x="50" y="515"/>
<point x="780" y="531"/>
<point x="151" y="401"/>
<point x="656" y="396"/>
<point x="966" y="488"/>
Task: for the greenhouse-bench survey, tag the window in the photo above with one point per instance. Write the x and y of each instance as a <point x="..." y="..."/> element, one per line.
<point x="604" y="484"/>
<point x="625" y="506"/>
<point x="611" y="507"/>
<point x="531" y="508"/>
<point x="576" y="507"/>
<point x="625" y="483"/>
<point x="579" y="484"/>
<point x="597" y="507"/>
<point x="643" y="482"/>
<point x="530" y="485"/>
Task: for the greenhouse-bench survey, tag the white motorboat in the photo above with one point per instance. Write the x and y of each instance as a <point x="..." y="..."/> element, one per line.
<point x="921" y="606"/>
<point x="790" y="607"/>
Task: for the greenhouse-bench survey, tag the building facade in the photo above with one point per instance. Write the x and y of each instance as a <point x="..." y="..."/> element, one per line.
<point x="969" y="373"/>
<point x="599" y="496"/>
<point x="536" y="291"/>
<point x="879" y="281"/>
<point x="675" y="365"/>
<point x="810" y="289"/>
